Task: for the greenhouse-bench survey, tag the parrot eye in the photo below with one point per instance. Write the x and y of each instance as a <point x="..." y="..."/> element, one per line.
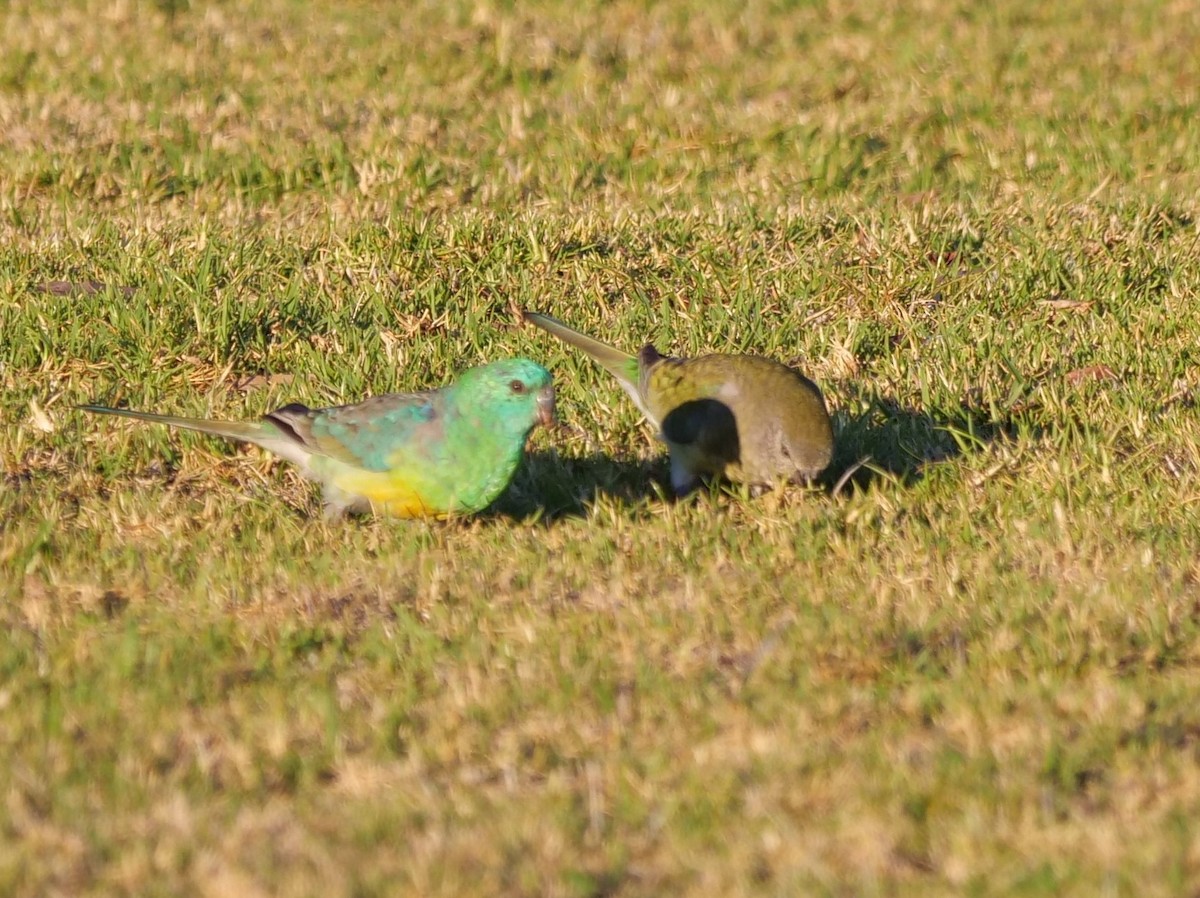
<point x="517" y="386"/>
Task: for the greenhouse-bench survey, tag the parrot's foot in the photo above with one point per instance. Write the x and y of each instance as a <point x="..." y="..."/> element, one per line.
<point x="796" y="479"/>
<point x="339" y="503"/>
<point x="803" y="478"/>
<point x="683" y="481"/>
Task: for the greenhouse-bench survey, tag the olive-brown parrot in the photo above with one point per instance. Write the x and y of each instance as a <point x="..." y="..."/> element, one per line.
<point x="744" y="417"/>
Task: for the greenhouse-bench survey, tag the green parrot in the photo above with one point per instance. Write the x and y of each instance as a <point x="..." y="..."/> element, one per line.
<point x="744" y="417"/>
<point x="434" y="453"/>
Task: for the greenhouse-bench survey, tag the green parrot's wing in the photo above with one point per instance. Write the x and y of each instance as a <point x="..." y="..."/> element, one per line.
<point x="623" y="366"/>
<point x="371" y="434"/>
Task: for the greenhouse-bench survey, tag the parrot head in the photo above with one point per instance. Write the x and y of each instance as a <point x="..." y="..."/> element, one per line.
<point x="517" y="392"/>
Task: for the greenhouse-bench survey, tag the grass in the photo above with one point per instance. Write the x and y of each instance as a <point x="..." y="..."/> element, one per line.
<point x="972" y="671"/>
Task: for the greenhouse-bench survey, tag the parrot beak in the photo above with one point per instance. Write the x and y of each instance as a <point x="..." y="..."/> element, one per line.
<point x="545" y="407"/>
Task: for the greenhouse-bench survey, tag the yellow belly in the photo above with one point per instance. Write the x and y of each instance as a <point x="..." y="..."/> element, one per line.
<point x="386" y="492"/>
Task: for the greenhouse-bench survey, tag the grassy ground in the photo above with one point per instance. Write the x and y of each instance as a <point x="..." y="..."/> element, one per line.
<point x="974" y="670"/>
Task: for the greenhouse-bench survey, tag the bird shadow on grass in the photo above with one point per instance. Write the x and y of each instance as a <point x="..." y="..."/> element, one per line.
<point x="888" y="440"/>
<point x="551" y="487"/>
<point x="882" y="440"/>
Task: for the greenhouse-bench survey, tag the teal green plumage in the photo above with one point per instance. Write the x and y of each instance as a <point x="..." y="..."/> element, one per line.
<point x="432" y="453"/>
<point x="743" y="417"/>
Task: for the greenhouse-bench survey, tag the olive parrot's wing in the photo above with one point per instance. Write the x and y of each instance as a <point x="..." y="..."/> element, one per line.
<point x="702" y="435"/>
<point x="706" y="425"/>
<point x="623" y="366"/>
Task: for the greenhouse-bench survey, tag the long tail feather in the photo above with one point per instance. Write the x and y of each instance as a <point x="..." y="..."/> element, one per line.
<point x="246" y="431"/>
<point x="260" y="433"/>
<point x="622" y="365"/>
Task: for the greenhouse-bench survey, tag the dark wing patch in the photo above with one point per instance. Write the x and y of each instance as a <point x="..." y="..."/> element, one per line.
<point x="287" y="418"/>
<point x="648" y="356"/>
<point x="707" y="424"/>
